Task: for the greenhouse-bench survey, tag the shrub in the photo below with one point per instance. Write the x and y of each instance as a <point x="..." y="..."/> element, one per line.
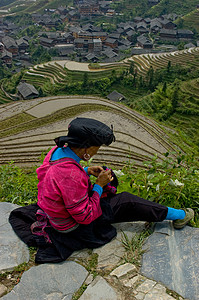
<point x="173" y="182"/>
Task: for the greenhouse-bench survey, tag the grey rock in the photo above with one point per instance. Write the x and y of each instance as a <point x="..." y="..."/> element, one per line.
<point x="129" y="228"/>
<point x="12" y="250"/>
<point x="110" y="255"/>
<point x="49" y="282"/>
<point x="99" y="289"/>
<point x="131" y="282"/>
<point x="123" y="270"/>
<point x="146" y="286"/>
<point x="3" y="290"/>
<point x="172" y="258"/>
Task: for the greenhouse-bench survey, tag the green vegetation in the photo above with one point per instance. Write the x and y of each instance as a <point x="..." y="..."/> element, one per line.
<point x="18" y="186"/>
<point x="190" y="21"/>
<point x="173" y="182"/>
<point x="133" y="247"/>
<point x="168" y="6"/>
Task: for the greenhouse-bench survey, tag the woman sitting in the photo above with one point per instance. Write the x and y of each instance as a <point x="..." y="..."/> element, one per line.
<point x="71" y="213"/>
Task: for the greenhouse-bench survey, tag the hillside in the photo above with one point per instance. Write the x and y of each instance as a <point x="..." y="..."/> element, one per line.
<point x="67" y="77"/>
<point x="29" y="127"/>
<point x="190" y="20"/>
<point x="127" y="7"/>
<point x="169" y="6"/>
<point x="22" y="6"/>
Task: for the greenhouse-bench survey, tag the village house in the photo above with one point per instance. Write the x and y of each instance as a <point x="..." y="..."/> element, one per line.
<point x="79" y="43"/>
<point x="73" y="16"/>
<point x="141" y="27"/>
<point x="74" y="31"/>
<point x="85" y="35"/>
<point x="138" y="19"/>
<point x="91" y="57"/>
<point x="113" y="43"/>
<point x="97" y="45"/>
<point x="110" y="54"/>
<point x="100" y="35"/>
<point x="1" y="47"/>
<point x="189" y="45"/>
<point x="144" y="42"/>
<point x="27" y="91"/>
<point x="131" y="35"/>
<point x="168" y="34"/>
<point x="2" y="34"/>
<point x="6" y="57"/>
<point x="104" y="6"/>
<point x="89" y="9"/>
<point x="22" y="44"/>
<point x="10" y="45"/>
<point x="64" y="49"/>
<point x="114" y="35"/>
<point x="115" y="96"/>
<point x="45" y="42"/>
<point x="155" y="26"/>
<point x="185" y="34"/>
<point x="68" y="37"/>
<point x="62" y="10"/>
<point x="167" y="24"/>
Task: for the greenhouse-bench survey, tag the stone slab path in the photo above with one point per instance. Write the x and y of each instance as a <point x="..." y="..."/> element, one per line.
<point x="164" y="266"/>
<point x="172" y="257"/>
<point x="13" y="251"/>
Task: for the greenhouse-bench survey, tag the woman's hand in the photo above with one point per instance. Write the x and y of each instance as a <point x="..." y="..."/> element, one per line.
<point x="104" y="178"/>
<point x="95" y="170"/>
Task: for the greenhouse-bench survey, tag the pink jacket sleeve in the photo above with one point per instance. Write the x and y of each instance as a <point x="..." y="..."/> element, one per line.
<point x="83" y="206"/>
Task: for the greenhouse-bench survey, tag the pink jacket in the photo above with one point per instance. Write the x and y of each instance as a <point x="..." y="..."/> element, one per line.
<point x="65" y="193"/>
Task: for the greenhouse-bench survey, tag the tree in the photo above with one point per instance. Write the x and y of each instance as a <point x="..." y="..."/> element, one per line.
<point x="169" y="66"/>
<point x="150" y="77"/>
<point x="85" y="80"/>
<point x="131" y="68"/>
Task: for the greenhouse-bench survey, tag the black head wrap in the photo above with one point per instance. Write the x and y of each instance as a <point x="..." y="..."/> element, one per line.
<point x="85" y="132"/>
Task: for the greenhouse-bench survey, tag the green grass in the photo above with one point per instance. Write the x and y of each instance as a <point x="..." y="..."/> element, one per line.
<point x="133" y="247"/>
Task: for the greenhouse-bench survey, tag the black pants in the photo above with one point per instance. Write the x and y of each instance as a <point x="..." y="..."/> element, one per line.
<point x="127" y="207"/>
<point x="123" y="207"/>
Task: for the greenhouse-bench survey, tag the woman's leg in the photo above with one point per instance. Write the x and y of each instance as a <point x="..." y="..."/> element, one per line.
<point x="127" y="207"/>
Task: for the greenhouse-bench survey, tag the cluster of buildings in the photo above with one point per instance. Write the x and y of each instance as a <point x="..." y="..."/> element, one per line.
<point x="88" y="42"/>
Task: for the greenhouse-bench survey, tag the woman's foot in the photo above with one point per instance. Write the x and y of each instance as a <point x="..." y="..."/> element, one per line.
<point x="178" y="224"/>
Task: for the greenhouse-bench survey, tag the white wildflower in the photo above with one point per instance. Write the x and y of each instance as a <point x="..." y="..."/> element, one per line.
<point x="118" y="173"/>
<point x="157" y="187"/>
<point x="176" y="183"/>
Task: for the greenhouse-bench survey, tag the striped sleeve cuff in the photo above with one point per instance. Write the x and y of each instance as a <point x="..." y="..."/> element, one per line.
<point x="97" y="188"/>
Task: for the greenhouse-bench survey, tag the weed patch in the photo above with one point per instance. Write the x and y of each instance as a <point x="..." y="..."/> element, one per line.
<point x="133" y="247"/>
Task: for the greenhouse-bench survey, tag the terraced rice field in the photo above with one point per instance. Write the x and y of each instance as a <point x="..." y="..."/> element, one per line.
<point x="59" y="73"/>
<point x="30" y="127"/>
